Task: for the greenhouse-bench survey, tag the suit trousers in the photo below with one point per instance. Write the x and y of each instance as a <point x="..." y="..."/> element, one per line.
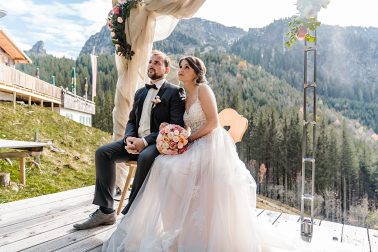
<point x="106" y="158"/>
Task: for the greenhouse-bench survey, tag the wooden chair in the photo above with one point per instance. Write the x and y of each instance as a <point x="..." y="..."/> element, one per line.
<point x="237" y="123"/>
<point x="132" y="168"/>
<point x="227" y="117"/>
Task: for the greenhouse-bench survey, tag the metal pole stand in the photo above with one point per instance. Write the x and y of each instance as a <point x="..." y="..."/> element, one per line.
<point x="307" y="223"/>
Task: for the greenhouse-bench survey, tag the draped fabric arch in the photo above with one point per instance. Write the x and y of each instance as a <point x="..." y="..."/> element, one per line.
<point x="151" y="21"/>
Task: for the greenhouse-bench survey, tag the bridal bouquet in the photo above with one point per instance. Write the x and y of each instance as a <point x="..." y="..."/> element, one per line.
<point x="172" y="139"/>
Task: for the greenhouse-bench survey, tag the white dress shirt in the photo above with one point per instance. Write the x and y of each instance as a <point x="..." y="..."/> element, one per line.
<point x="145" y="119"/>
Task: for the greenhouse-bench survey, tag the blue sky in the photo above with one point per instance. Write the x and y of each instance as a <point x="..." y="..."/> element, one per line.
<point x="65" y="25"/>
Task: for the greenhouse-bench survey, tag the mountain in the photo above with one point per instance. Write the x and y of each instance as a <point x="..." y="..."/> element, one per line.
<point x="37" y="49"/>
<point x="200" y="35"/>
<point x="101" y="43"/>
<point x="189" y="34"/>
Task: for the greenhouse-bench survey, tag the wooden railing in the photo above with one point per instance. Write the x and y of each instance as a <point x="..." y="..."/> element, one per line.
<point x="75" y="102"/>
<point x="14" y="77"/>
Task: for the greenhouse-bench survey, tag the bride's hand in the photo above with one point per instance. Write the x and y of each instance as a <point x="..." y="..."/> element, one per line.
<point x="162" y="125"/>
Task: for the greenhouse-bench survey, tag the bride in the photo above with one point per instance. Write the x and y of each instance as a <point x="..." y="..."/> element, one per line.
<point x="201" y="200"/>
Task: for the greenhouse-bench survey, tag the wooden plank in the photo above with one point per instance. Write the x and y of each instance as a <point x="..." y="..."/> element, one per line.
<point x="10" y="218"/>
<point x="325" y="234"/>
<point x="356" y="236"/>
<point x="16" y="154"/>
<point x="285" y="219"/>
<point x="45" y="199"/>
<point x="31" y="222"/>
<point x="81" y="240"/>
<point x="96" y="249"/>
<point x="373" y="238"/>
<point x="93" y="243"/>
<point x="13" y="144"/>
<point x="289" y="225"/>
<point x="268" y="216"/>
<point x="335" y="229"/>
<point x="46" y="226"/>
<point x="258" y="211"/>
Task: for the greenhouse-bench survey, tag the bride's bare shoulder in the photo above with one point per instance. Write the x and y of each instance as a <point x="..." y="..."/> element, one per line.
<point x="205" y="92"/>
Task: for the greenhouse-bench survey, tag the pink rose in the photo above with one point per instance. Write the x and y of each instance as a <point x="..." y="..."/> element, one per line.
<point x="116" y="10"/>
<point x="172" y="145"/>
<point x="120" y="20"/>
<point x="302" y="32"/>
<point x="110" y="25"/>
<point x="176" y="139"/>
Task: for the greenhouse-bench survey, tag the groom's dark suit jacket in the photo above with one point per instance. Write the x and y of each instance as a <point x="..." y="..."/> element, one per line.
<point x="170" y="110"/>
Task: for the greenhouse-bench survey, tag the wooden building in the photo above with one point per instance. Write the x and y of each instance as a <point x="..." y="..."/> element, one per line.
<point x="19" y="86"/>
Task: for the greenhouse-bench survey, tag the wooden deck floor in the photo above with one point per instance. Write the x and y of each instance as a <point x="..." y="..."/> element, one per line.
<point x="45" y="224"/>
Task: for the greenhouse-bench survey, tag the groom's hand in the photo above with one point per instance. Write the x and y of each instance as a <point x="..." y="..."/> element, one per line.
<point x="139" y="144"/>
<point x="130" y="146"/>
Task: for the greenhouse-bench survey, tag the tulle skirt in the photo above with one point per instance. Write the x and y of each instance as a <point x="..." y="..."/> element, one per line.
<point x="201" y="200"/>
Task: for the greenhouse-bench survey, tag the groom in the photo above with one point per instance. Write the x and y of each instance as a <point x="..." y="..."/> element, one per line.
<point x="154" y="104"/>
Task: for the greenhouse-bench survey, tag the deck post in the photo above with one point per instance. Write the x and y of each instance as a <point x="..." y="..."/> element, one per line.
<point x="22" y="171"/>
<point x="14" y="100"/>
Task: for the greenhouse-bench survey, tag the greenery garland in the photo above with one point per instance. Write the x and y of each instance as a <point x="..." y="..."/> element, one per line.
<point x="116" y="24"/>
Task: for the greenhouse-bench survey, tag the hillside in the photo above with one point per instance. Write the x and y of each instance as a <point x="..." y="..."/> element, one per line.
<point x="68" y="164"/>
<point x="346" y="65"/>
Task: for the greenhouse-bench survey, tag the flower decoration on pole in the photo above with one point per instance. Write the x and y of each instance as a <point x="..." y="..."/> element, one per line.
<point x="116" y="23"/>
<point x="300" y="27"/>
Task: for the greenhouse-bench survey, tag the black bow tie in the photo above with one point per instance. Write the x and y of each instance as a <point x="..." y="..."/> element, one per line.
<point x="148" y="86"/>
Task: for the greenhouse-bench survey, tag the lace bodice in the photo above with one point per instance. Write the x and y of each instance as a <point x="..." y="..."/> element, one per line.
<point x="194" y="117"/>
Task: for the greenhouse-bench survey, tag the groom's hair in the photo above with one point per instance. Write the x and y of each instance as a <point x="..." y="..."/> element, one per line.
<point x="166" y="59"/>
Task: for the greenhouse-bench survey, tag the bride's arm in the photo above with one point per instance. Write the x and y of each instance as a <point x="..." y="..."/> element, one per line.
<point x="209" y="107"/>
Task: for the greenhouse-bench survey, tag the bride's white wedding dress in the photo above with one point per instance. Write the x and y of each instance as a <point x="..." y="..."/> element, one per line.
<point x="200" y="201"/>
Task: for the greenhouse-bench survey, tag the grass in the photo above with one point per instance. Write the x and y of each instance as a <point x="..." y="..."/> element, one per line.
<point x="72" y="166"/>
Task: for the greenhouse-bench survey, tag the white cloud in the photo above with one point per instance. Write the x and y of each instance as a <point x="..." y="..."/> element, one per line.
<point x="63" y="27"/>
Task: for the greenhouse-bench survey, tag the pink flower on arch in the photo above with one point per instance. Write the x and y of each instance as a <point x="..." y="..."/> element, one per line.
<point x="116" y="10"/>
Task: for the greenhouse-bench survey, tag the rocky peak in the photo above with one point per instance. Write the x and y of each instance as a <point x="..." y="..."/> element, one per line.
<point x="38" y="49"/>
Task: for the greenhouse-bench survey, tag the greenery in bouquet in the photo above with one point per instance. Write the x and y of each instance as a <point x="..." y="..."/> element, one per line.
<point x="116" y="23"/>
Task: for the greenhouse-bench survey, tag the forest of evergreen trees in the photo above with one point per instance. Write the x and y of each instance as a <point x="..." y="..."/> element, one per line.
<point x="346" y="167"/>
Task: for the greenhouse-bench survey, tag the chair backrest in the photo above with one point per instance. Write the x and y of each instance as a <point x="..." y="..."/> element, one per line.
<point x="237" y="123"/>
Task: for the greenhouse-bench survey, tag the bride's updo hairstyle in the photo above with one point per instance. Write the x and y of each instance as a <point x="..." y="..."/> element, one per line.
<point x="198" y="66"/>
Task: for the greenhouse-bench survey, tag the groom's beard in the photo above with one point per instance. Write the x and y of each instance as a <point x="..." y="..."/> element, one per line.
<point x="153" y="75"/>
